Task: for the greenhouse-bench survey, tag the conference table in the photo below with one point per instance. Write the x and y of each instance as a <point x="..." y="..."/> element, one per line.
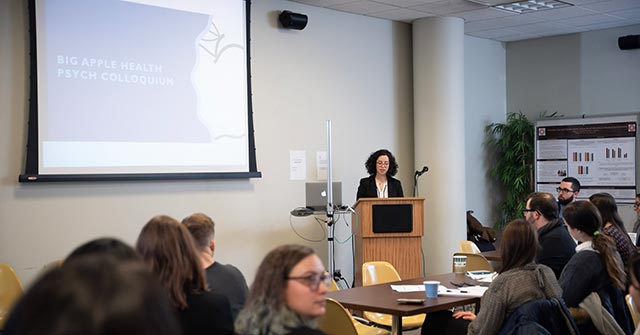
<point x="382" y="299"/>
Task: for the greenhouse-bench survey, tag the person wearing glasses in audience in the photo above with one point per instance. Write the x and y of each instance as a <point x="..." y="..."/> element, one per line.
<point x="556" y="245"/>
<point x="287" y="294"/>
<point x="567" y="192"/>
<point x="381" y="166"/>
<point x="636" y="226"/>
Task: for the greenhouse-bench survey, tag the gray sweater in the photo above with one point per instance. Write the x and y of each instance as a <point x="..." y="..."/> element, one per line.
<point x="510" y="290"/>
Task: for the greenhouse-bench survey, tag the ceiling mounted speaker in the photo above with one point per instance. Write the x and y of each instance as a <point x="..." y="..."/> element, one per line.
<point x="629" y="42"/>
<point x="293" y="20"/>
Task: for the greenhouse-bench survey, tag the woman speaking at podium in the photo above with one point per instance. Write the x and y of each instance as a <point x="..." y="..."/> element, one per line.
<point x="381" y="166"/>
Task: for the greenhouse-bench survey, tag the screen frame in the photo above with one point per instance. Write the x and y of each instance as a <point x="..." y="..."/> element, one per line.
<point x="31" y="167"/>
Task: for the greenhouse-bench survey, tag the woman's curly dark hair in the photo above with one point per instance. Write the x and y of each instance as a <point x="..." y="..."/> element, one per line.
<point x="370" y="164"/>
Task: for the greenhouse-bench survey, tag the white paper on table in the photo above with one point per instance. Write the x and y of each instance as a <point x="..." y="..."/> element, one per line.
<point x="407" y="288"/>
<point x="470" y="291"/>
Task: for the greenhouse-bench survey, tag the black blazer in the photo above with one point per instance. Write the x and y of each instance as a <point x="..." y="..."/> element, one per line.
<point x="368" y="188"/>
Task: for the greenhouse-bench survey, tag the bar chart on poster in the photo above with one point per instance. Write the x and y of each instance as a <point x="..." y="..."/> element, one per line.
<point x="599" y="152"/>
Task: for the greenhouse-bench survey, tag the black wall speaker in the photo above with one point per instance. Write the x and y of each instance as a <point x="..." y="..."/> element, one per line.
<point x="629" y="42"/>
<point x="293" y="20"/>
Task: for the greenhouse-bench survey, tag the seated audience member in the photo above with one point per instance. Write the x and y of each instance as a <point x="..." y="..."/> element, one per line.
<point x="556" y="245"/>
<point x="613" y="225"/>
<point x="287" y="294"/>
<point x="224" y="279"/>
<point x="168" y="248"/>
<point x="595" y="268"/>
<point x="106" y="246"/>
<point x="94" y="294"/>
<point x="519" y="281"/>
<point x="636" y="225"/>
<point x="634" y="284"/>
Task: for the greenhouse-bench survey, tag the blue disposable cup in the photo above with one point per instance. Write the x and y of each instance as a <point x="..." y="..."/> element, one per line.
<point x="431" y="288"/>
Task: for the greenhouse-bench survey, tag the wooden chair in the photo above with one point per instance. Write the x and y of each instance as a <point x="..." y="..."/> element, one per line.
<point x="383" y="272"/>
<point x="633" y="310"/>
<point x="10" y="291"/>
<point x="468" y="247"/>
<point x="337" y="321"/>
<point x="475" y="262"/>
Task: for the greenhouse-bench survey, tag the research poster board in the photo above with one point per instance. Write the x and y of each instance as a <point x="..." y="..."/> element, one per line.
<point x="599" y="152"/>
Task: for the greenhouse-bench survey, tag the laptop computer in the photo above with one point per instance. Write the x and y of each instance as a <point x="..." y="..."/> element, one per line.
<point x="316" y="195"/>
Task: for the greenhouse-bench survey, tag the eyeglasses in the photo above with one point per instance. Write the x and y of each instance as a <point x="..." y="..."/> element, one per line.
<point x="313" y="280"/>
<point x="524" y="211"/>
<point x="383" y="163"/>
<point x="636" y="205"/>
<point x="564" y="190"/>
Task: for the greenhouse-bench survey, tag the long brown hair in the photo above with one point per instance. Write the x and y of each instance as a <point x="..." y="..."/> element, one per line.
<point x="606" y="205"/>
<point x="519" y="245"/>
<point x="170" y="251"/>
<point x="584" y="216"/>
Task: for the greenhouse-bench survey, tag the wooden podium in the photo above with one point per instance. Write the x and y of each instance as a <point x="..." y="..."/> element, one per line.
<point x="389" y="229"/>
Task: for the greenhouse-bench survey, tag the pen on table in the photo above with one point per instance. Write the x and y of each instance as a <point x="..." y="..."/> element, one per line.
<point x="461" y="291"/>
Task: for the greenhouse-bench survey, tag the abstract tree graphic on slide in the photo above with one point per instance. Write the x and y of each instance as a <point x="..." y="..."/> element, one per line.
<point x="220" y="92"/>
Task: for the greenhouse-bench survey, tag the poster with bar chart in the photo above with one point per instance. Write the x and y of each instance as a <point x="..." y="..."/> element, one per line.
<point x="599" y="152"/>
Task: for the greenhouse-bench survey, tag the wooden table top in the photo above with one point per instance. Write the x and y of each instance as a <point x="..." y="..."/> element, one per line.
<point x="381" y="298"/>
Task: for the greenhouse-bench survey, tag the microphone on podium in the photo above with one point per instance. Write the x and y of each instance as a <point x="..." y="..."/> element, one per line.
<point x="415" y="179"/>
<point x="421" y="172"/>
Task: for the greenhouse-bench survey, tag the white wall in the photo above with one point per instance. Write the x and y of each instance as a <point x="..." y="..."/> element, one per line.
<point x="485" y="103"/>
<point x="351" y="69"/>
<point x="576" y="74"/>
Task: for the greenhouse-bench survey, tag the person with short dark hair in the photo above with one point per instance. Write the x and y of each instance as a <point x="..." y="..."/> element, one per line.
<point x="287" y="294"/>
<point x="613" y="225"/>
<point x="381" y="166"/>
<point x="98" y="294"/>
<point x="595" y="268"/>
<point x="568" y="191"/>
<point x="556" y="245"/>
<point x="224" y="279"/>
<point x="168" y="248"/>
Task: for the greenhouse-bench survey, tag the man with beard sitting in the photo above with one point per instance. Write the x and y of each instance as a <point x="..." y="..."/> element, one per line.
<point x="567" y="192"/>
<point x="555" y="244"/>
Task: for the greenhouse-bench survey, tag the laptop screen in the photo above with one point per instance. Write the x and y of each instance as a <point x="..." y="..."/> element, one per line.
<point x="316" y="195"/>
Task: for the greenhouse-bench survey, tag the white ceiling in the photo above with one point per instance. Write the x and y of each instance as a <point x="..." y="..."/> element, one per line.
<point x="487" y="22"/>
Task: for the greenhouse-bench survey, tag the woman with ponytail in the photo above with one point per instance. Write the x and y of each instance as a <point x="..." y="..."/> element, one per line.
<point x="595" y="268"/>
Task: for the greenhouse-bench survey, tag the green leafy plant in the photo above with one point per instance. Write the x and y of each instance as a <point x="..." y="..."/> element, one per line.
<point x="512" y="144"/>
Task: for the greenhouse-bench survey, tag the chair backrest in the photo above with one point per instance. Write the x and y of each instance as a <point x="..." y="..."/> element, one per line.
<point x="378" y="273"/>
<point x="633" y="310"/>
<point x="334" y="286"/>
<point x="336" y="320"/>
<point x="468" y="247"/>
<point x="475" y="262"/>
<point x="10" y="291"/>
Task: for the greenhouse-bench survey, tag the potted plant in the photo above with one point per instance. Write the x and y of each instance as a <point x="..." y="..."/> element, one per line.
<point x="512" y="143"/>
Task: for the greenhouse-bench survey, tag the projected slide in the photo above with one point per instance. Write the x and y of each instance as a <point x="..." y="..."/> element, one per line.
<point x="142" y="86"/>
